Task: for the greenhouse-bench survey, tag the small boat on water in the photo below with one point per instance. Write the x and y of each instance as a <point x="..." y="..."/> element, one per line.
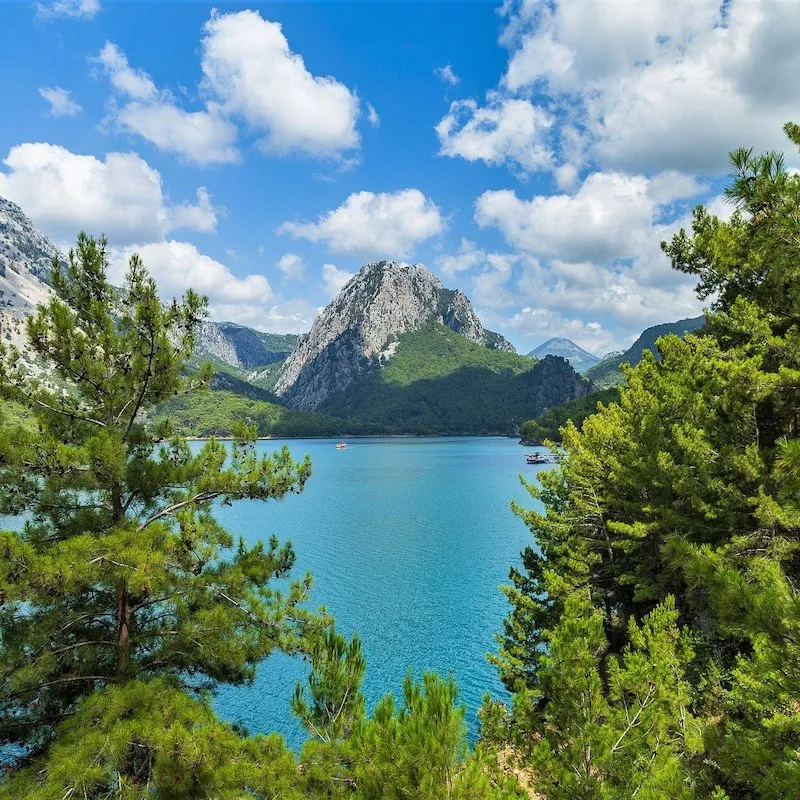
<point x="341" y="446"/>
<point x="537" y="458"/>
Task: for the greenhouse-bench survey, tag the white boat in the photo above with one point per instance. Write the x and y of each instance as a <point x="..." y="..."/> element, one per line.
<point x="341" y="446"/>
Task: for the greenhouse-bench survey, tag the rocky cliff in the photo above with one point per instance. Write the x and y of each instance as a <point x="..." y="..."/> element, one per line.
<point x="242" y="347"/>
<point x="362" y="324"/>
<point x="25" y="259"/>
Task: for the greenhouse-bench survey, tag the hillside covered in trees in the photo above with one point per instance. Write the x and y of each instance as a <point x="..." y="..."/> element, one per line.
<point x="652" y="648"/>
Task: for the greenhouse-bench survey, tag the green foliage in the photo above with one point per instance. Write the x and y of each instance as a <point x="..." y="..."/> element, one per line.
<point x="608" y="373"/>
<point x="143" y="740"/>
<point x="547" y="427"/>
<point x="439" y="382"/>
<point x="121" y="572"/>
<point x="334" y="703"/>
<point x="609" y="727"/>
<point x="217" y="413"/>
<point x="419" y="750"/>
<point x="688" y="487"/>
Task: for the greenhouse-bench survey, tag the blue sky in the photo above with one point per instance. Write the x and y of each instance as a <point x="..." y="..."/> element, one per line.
<point x="532" y="155"/>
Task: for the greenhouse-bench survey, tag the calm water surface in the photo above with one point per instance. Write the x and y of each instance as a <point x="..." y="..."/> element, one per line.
<point x="408" y="541"/>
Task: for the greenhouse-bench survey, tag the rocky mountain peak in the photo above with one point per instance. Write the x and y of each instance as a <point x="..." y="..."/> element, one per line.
<point x="381" y="302"/>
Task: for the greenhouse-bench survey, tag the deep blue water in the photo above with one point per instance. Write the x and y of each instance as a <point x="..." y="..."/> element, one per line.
<point x="408" y="541"/>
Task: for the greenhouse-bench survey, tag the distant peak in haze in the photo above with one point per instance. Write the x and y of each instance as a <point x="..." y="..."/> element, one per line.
<point x="579" y="358"/>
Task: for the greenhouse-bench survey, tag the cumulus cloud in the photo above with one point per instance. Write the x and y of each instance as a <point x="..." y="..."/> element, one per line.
<point x="674" y="86"/>
<point x="204" y="137"/>
<point x="178" y="265"/>
<point x="506" y="130"/>
<point x="610" y="216"/>
<point x="539" y="324"/>
<point x="71" y="9"/>
<point x="291" y="265"/>
<point x="388" y="224"/>
<point x="594" y="253"/>
<point x="250" y="300"/>
<point x="200" y="216"/>
<point x="120" y="195"/>
<point x="61" y="102"/>
<point x="249" y="66"/>
<point x="252" y="76"/>
<point x="446" y="75"/>
<point x="334" y="279"/>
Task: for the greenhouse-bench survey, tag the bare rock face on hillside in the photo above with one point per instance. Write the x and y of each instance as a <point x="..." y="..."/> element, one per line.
<point x="25" y="259"/>
<point x="379" y="304"/>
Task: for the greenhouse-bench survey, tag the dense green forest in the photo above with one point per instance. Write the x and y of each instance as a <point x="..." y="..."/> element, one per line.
<point x="547" y="426"/>
<point x="652" y="648"/>
<point x="653" y="643"/>
<point x="440" y="382"/>
<point x="217" y="413"/>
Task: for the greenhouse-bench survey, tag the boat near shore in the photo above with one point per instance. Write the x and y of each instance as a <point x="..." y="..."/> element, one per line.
<point x="537" y="458"/>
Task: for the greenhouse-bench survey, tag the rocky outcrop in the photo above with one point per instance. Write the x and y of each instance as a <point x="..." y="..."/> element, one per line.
<point x="242" y="347"/>
<point x="379" y="304"/>
<point x="25" y="259"/>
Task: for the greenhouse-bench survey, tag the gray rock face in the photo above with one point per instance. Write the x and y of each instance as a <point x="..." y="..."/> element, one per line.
<point x="242" y="347"/>
<point x="25" y="258"/>
<point x="379" y="304"/>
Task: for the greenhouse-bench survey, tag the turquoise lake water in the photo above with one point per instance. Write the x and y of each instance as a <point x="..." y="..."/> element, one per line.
<point x="408" y="541"/>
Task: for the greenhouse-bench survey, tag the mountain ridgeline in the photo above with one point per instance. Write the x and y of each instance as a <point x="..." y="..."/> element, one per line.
<point x="361" y="328"/>
<point x="580" y="359"/>
<point x="395" y="352"/>
<point x="606" y="374"/>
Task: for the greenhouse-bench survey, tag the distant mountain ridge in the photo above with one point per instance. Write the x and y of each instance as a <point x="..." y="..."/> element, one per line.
<point x="579" y="358"/>
<point x="242" y="347"/>
<point x="606" y="374"/>
<point x="363" y="323"/>
<point x="394" y="352"/>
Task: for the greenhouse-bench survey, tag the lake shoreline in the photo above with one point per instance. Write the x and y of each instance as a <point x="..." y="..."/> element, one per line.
<point x="362" y="436"/>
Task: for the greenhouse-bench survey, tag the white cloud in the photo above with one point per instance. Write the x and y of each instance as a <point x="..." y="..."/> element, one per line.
<point x="609" y="217"/>
<point x="291" y="265"/>
<point x="121" y="195"/>
<point x="467" y="258"/>
<point x="388" y="224"/>
<point x="447" y="75"/>
<point x="249" y="66"/>
<point x="675" y="85"/>
<point x="73" y="9"/>
<point x="60" y="100"/>
<point x="133" y="83"/>
<point x="372" y="116"/>
<point x="205" y="137"/>
<point x="537" y="325"/>
<point x="334" y="279"/>
<point x="250" y="300"/>
<point x="506" y="130"/>
<point x="201" y="217"/>
<point x="178" y="265"/>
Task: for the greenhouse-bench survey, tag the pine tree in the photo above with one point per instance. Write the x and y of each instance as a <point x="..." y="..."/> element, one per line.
<point x="120" y="575"/>
<point x="687" y="487"/>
